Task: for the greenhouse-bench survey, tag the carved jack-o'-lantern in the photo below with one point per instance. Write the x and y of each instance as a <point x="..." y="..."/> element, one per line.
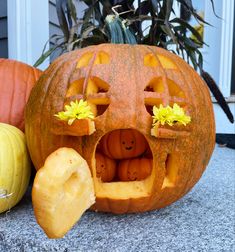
<point x="121" y="84"/>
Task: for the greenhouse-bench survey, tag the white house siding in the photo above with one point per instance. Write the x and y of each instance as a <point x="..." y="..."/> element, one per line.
<point x="3" y="29"/>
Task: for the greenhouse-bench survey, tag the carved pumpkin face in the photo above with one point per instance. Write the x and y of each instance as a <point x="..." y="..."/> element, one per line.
<point x="121" y="144"/>
<point x="122" y="83"/>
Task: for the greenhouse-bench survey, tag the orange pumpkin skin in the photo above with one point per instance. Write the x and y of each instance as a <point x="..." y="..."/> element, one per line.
<point x="178" y="162"/>
<point x="105" y="167"/>
<point x="134" y="169"/>
<point x="123" y="144"/>
<point x="16" y="82"/>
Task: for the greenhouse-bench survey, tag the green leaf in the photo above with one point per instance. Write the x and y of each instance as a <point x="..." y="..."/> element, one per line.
<point x="169" y="4"/>
<point x="86" y="19"/>
<point x="213" y="7"/>
<point x="72" y="10"/>
<point x="94" y="40"/>
<point x="155" y="5"/>
<point x="217" y="94"/>
<point x="189" y="27"/>
<point x="166" y="28"/>
<point x="190" y="43"/>
<point x="61" y="9"/>
<point x="45" y="55"/>
<point x="200" y="60"/>
<point x="88" y="31"/>
<point x="193" y="58"/>
<point x="189" y="6"/>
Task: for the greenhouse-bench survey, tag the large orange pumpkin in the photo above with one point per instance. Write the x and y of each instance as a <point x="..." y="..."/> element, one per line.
<point x="16" y="82"/>
<point x="122" y="83"/>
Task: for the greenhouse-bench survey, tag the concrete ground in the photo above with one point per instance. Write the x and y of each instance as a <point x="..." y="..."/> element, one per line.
<point x="201" y="221"/>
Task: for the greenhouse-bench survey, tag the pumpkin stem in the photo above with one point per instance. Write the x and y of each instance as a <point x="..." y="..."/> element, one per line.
<point x="118" y="30"/>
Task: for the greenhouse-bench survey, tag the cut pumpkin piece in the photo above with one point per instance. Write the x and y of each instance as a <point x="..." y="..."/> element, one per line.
<point x="62" y="191"/>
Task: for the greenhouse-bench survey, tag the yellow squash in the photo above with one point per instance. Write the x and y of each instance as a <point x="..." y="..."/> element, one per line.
<point x="15" y="166"/>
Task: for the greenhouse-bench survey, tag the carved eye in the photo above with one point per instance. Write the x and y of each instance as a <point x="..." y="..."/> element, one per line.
<point x="163" y="91"/>
<point x="155" y="60"/>
<point x="94" y="90"/>
<point x="90" y="88"/>
<point x="93" y="58"/>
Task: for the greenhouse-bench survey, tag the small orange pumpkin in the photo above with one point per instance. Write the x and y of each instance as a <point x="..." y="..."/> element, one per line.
<point x="127" y="143"/>
<point x="134" y="169"/>
<point x="105" y="167"/>
<point x="16" y="82"/>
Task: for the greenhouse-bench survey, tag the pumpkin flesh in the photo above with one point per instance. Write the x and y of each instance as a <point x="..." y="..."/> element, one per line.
<point x="60" y="205"/>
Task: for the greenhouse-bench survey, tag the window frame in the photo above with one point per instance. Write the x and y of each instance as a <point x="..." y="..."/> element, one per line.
<point x="28" y="30"/>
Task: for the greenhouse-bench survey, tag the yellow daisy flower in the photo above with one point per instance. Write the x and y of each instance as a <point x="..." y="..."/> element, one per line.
<point x="169" y="115"/>
<point x="76" y="110"/>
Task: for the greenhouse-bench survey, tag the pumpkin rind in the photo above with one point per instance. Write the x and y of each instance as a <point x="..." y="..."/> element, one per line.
<point x="15" y="166"/>
<point x="134" y="86"/>
<point x="16" y="82"/>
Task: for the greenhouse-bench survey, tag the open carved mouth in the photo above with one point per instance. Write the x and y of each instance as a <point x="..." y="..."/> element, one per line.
<point x="123" y="165"/>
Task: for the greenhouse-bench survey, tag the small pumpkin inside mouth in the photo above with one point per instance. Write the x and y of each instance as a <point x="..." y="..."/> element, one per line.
<point x="123" y="155"/>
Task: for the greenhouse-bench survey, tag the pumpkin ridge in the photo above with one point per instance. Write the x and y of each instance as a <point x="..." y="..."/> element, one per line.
<point x="134" y="134"/>
<point x="205" y="93"/>
<point x="19" y="192"/>
<point x="26" y="94"/>
<point x="12" y="95"/>
<point x="49" y="87"/>
<point x="15" y="195"/>
<point x="106" y="142"/>
<point x="193" y="88"/>
<point x="17" y="79"/>
<point x="164" y="77"/>
<point x="88" y="73"/>
<point x="12" y="149"/>
<point x="22" y="190"/>
<point x="120" y="141"/>
<point x="14" y="172"/>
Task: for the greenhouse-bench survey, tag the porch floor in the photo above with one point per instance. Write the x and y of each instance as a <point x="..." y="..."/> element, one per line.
<point x="201" y="221"/>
